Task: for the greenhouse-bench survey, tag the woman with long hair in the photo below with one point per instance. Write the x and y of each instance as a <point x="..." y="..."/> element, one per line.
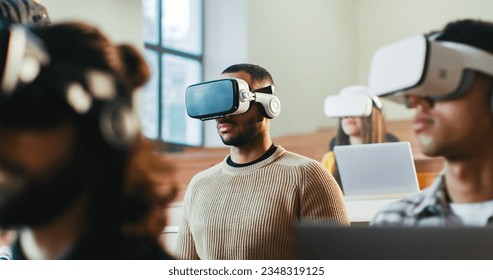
<point x="352" y="130"/>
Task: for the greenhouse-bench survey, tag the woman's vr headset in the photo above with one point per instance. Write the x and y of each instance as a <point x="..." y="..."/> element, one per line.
<point x="419" y="66"/>
<point x="226" y="97"/>
<point x="352" y="101"/>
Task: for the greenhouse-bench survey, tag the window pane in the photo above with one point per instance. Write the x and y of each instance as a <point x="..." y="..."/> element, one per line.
<point x="151" y="21"/>
<point x="178" y="74"/>
<point x="149" y="102"/>
<point x="182" y="25"/>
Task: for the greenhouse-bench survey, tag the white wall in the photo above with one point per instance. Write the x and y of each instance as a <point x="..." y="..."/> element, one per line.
<point x="309" y="47"/>
<point x="121" y="20"/>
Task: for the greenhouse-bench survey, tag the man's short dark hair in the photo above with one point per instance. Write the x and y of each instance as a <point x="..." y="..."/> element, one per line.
<point x="476" y="33"/>
<point x="258" y="73"/>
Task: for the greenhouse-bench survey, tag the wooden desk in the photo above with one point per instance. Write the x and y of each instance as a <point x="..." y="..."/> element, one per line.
<point x="427" y="169"/>
<point x="362" y="211"/>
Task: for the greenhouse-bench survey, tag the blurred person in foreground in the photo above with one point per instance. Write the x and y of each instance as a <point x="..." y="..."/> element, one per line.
<point x="77" y="178"/>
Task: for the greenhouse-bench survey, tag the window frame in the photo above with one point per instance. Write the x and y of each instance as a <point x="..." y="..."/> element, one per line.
<point x="159" y="49"/>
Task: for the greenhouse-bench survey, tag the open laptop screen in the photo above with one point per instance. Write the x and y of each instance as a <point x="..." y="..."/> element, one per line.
<point x="377" y="169"/>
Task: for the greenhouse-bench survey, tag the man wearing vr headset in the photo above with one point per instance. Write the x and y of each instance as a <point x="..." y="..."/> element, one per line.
<point x="453" y="99"/>
<point x="247" y="206"/>
<point x="77" y="178"/>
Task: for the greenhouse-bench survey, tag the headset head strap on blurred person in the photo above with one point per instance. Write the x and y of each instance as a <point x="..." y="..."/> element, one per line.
<point x="26" y="12"/>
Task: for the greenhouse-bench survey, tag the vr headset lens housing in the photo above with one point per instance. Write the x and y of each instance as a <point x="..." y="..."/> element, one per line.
<point x="225" y="97"/>
<point x="216" y="99"/>
<point x="352" y="101"/>
<point x="434" y="69"/>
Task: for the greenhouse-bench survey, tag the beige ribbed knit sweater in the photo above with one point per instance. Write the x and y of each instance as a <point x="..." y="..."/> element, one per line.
<point x="250" y="212"/>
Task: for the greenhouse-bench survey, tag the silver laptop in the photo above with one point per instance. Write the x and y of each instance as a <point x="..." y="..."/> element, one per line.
<point x="329" y="242"/>
<point x="384" y="170"/>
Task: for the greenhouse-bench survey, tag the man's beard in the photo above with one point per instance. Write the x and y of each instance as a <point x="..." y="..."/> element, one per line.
<point x="252" y="129"/>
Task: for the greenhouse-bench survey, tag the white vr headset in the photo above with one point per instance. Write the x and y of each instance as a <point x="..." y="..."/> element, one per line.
<point x="21" y="55"/>
<point x="352" y="101"/>
<point x="434" y="69"/>
<point x="226" y="97"/>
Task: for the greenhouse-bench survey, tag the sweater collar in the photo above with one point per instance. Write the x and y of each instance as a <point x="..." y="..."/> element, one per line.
<point x="270" y="156"/>
<point x="267" y="154"/>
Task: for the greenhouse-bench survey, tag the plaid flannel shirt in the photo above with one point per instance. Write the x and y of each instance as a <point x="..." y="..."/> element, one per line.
<point x="428" y="208"/>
